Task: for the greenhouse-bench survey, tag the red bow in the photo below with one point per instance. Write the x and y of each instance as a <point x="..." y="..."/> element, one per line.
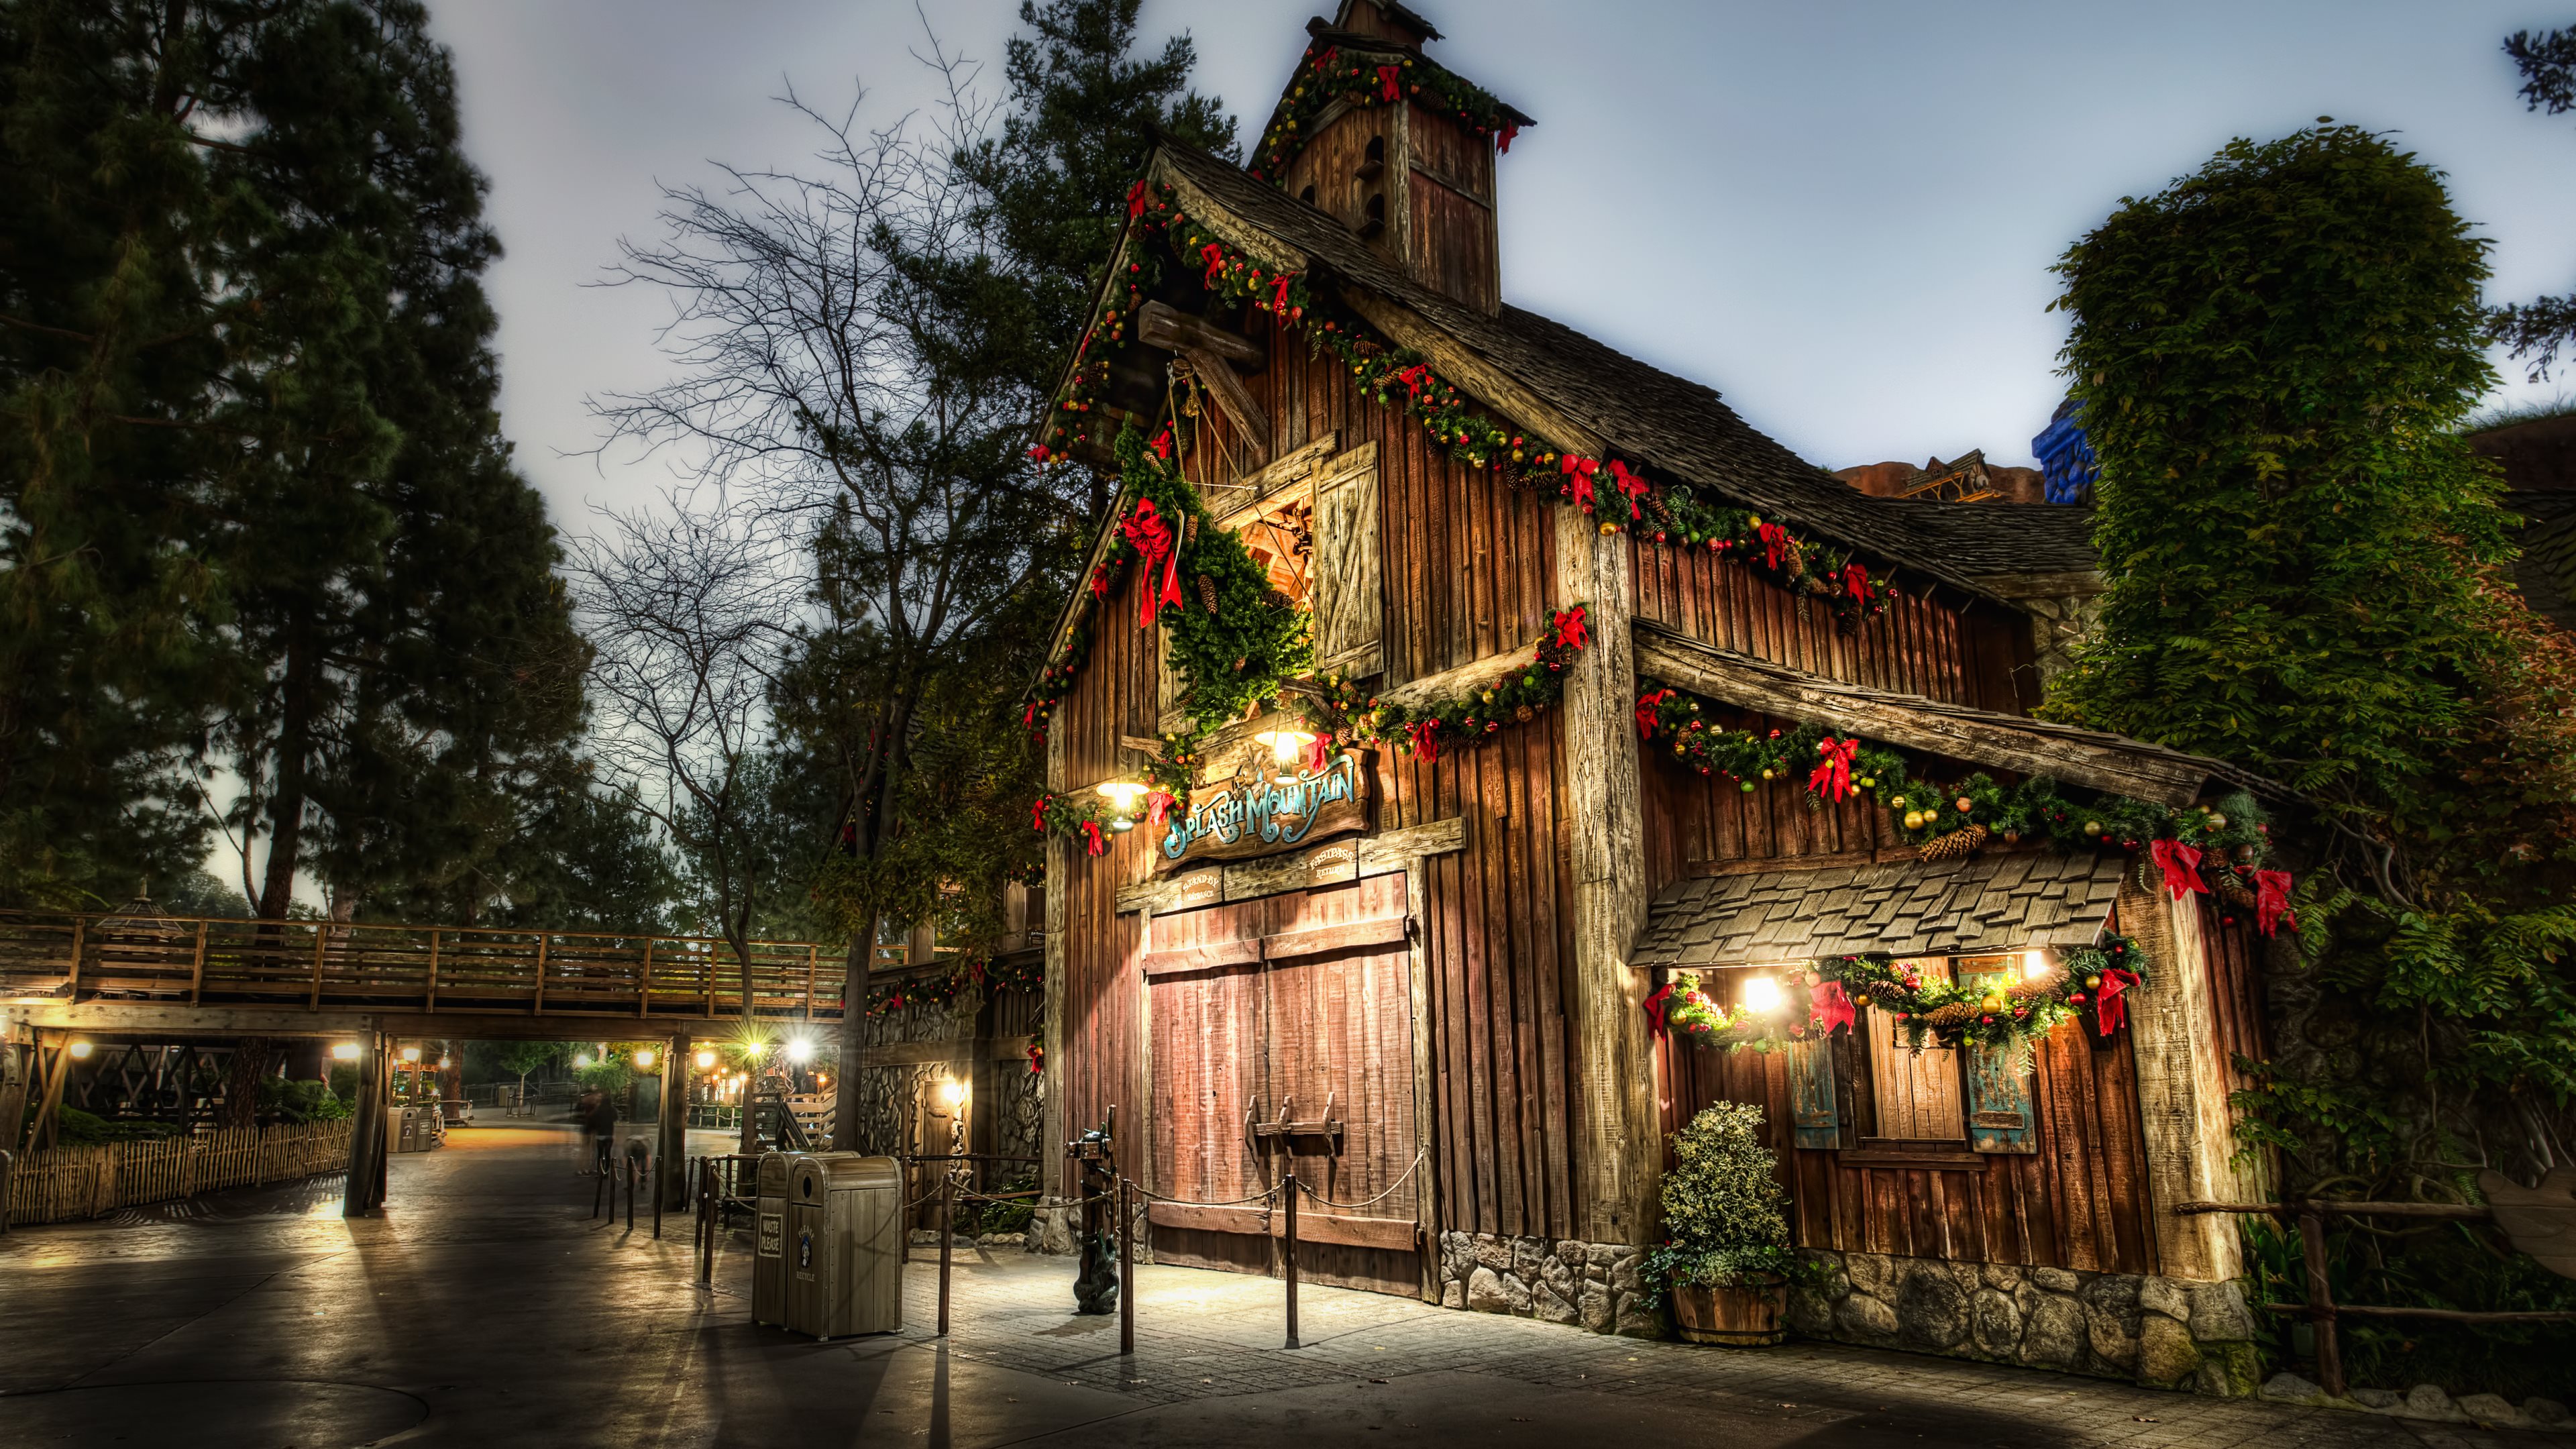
<point x="2108" y="1008"/>
<point x="1416" y="380"/>
<point x="1029" y="716"/>
<point x="1100" y="584"/>
<point x="1580" y="471"/>
<point x="1831" y="1005"/>
<point x="1856" y="582"/>
<point x="1092" y="841"/>
<point x="1318" y="750"/>
<point x="2272" y="900"/>
<point x="1037" y="1056"/>
<point x="1279" y="292"/>
<point x="1646" y="713"/>
<point x="1214" y="256"/>
<point x="1037" y="815"/>
<point x="1655" y="1006"/>
<point x="1039" y="452"/>
<point x="1630" y="485"/>
<point x="1503" y="143"/>
<point x="1387" y="89"/>
<point x="1425" y="734"/>
<point x="1163" y="445"/>
<point x="2181" y="865"/>
<point x="1152" y="538"/>
<point x="1775" y="541"/>
<point x="1833" y="778"/>
<point x="1136" y="200"/>
<point x="1569" y="629"/>
<point x="1158" y="804"/>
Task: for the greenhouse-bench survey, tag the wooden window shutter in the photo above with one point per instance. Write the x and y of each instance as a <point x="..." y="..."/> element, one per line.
<point x="1815" y="1106"/>
<point x="1999" y="1106"/>
<point x="1350" y="605"/>
<point x="1169" y="689"/>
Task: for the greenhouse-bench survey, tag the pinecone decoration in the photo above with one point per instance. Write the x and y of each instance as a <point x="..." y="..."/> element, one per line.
<point x="2030" y="990"/>
<point x="1956" y="1014"/>
<point x="1278" y="599"/>
<point x="1207" y="594"/>
<point x="1655" y="506"/>
<point x="1953" y="845"/>
<point x="2233" y="891"/>
<point x="1524" y="714"/>
<point x="1189" y="528"/>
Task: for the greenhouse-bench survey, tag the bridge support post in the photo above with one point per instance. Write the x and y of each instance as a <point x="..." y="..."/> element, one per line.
<point x="365" y="1186"/>
<point x="671" y="1132"/>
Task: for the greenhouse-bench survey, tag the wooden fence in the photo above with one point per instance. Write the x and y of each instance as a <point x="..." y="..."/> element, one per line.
<point x="61" y="1183"/>
<point x="221" y="961"/>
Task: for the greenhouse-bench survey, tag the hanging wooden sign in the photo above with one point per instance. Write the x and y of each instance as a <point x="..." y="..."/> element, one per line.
<point x="1264" y="815"/>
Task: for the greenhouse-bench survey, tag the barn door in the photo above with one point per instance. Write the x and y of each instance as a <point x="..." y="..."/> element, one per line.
<point x="1283" y="1038"/>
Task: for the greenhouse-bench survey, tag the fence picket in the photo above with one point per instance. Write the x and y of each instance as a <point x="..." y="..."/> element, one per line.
<point x="76" y="1182"/>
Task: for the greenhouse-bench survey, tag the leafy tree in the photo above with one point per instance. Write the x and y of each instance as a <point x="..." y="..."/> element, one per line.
<point x="2305" y="576"/>
<point x="2534" y="331"/>
<point x="111" y="331"/>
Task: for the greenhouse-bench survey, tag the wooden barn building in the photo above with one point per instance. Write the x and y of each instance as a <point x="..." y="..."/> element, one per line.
<point x="1415" y="965"/>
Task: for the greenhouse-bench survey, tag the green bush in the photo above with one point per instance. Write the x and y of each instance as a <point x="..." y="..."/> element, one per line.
<point x="76" y="1128"/>
<point x="281" y="1100"/>
<point x="1726" y="1216"/>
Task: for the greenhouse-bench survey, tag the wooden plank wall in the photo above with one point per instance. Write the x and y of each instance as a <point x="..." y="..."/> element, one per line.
<point x="2079" y="1202"/>
<point x="1977" y="653"/>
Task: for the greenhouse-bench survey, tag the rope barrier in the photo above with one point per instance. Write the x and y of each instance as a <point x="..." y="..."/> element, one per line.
<point x="1318" y="1197"/>
<point x="1263" y="1196"/>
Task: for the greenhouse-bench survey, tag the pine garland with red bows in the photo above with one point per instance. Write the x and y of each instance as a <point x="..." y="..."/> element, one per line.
<point x="1339" y="712"/>
<point x="1369" y="78"/>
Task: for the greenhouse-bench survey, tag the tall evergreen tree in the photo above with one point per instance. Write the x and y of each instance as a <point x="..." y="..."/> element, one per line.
<point x="2536" y="330"/>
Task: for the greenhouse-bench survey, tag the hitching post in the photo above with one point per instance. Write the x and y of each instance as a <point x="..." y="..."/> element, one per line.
<point x="1288" y="1185"/>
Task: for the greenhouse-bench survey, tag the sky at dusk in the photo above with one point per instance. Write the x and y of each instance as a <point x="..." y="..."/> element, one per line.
<point x="1840" y="215"/>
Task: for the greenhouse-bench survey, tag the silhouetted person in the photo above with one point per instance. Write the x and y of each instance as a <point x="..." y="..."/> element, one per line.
<point x="599" y="1118"/>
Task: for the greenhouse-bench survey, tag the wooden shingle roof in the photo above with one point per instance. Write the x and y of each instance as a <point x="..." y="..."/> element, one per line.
<point x="1987" y="904"/>
<point x="1641" y="412"/>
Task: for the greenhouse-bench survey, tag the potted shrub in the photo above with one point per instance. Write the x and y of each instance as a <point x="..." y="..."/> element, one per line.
<point x="1726" y="1259"/>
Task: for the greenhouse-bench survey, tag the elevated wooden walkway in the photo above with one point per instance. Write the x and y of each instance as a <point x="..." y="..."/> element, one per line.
<point x="114" y="972"/>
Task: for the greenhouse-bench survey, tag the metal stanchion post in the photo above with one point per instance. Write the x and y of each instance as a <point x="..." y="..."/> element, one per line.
<point x="706" y="1223"/>
<point x="1288" y="1185"/>
<point x="947" y="1200"/>
<point x="630" y="1194"/>
<point x="656" y="1178"/>
<point x="1126" y="1267"/>
<point x="596" y="1189"/>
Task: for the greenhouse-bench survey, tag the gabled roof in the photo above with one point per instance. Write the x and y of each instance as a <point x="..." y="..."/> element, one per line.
<point x="2546" y="572"/>
<point x="1984" y="540"/>
<point x="1641" y="412"/>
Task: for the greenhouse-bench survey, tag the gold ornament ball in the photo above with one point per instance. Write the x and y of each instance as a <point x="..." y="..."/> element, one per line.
<point x="2092" y="981"/>
<point x="1991" y="1001"/>
<point x="1913" y="819"/>
<point x="1766" y="774"/>
<point x="1861" y="1000"/>
<point x="2217" y="821"/>
<point x="1896" y="804"/>
<point x="2092" y="827"/>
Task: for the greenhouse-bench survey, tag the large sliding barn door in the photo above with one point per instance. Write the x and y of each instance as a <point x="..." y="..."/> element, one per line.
<point x="1283" y="1038"/>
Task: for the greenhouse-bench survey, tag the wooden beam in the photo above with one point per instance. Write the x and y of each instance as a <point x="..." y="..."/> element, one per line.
<point x="1162" y="325"/>
<point x="1384" y="853"/>
<point x="1458" y="679"/>
<point x="1239" y="502"/>
<point x="2033" y="747"/>
<point x="1394" y="1234"/>
<point x="1233" y="230"/>
<point x="1389" y="851"/>
<point x="217" y="1020"/>
<point x="1234" y="398"/>
<point x="1473" y="375"/>
<point x="918" y="1054"/>
<point x="1618" y="1155"/>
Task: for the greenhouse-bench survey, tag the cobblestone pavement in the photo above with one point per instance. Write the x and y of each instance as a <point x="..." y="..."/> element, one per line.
<point x="485" y="1308"/>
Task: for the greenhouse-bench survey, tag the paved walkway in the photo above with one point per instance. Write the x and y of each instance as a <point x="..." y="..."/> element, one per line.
<point x="485" y="1309"/>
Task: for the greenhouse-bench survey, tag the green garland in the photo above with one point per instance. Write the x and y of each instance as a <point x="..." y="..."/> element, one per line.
<point x="1361" y="78"/>
<point x="1663" y="513"/>
<point x="2233" y="830"/>
<point x="1340" y="713"/>
<point x="2011" y="1013"/>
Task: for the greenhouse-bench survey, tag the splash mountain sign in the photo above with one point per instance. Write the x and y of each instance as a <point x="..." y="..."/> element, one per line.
<point x="1258" y="815"/>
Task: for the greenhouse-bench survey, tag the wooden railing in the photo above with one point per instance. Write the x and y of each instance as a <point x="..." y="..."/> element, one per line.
<point x="201" y="961"/>
<point x="61" y="1183"/>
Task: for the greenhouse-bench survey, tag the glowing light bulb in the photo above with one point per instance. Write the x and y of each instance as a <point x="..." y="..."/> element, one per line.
<point x="1761" y="995"/>
<point x="80" y="1051"/>
<point x="346" y="1051"/>
<point x="706" y="1058"/>
<point x="643" y="1059"/>
<point x="800" y="1050"/>
<point x="2035" y="965"/>
<point x="952" y="1091"/>
<point x="581" y="1059"/>
<point x="411" y="1055"/>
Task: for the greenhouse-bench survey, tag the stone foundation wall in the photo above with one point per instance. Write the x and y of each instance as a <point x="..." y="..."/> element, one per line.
<point x="1593" y="1285"/>
<point x="2158" y="1332"/>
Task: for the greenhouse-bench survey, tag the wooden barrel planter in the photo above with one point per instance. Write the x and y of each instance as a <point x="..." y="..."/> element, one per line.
<point x="1739" y="1315"/>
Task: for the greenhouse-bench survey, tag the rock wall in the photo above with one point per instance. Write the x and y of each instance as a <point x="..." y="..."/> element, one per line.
<point x="1020" y="1105"/>
<point x="2157" y="1332"/>
<point x="1593" y="1285"/>
<point x="888" y="1096"/>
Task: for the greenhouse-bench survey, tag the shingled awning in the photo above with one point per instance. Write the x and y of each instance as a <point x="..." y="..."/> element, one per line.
<point x="1986" y="904"/>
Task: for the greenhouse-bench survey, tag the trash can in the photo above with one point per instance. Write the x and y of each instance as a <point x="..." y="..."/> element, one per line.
<point x="769" y="1224"/>
<point x="844" y="1245"/>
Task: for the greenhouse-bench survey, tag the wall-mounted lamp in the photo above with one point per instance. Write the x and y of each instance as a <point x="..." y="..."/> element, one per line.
<point x="1122" y="793"/>
<point x="1285" y="746"/>
<point x="706" y="1058"/>
<point x="952" y="1092"/>
<point x="2035" y="965"/>
<point x="346" y="1051"/>
<point x="1761" y="995"/>
<point x="800" y="1050"/>
<point x="643" y="1058"/>
<point x="411" y="1055"/>
<point x="79" y="1050"/>
<point x="581" y="1059"/>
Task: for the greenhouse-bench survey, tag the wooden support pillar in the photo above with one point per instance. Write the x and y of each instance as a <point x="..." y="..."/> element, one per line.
<point x="1059" y="878"/>
<point x="364" y="1188"/>
<point x="2185" y="1123"/>
<point x="17" y="1074"/>
<point x="671" y="1132"/>
<point x="55" y="1072"/>
<point x="1618" y="1159"/>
